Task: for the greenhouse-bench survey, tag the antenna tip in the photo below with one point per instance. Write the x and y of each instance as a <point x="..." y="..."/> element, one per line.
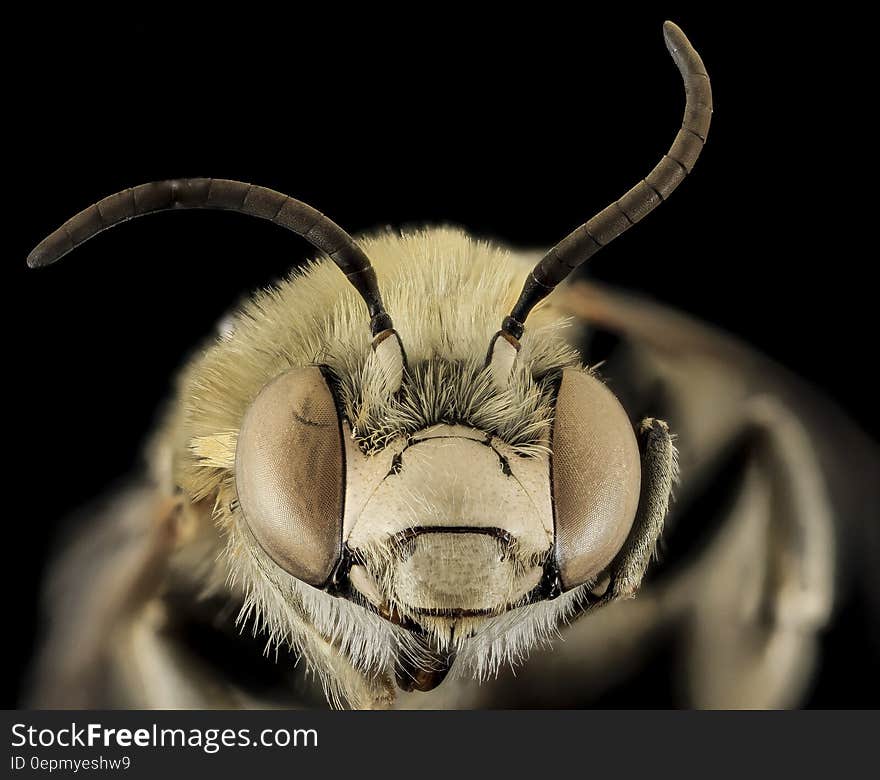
<point x="673" y="35"/>
<point x="48" y="251"/>
<point x="36" y="259"/>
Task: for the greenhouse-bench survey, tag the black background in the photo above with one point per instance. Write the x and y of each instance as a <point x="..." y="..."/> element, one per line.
<point x="519" y="125"/>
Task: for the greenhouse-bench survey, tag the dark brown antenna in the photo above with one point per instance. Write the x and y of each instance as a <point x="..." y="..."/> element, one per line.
<point x="582" y="243"/>
<point x="227" y="195"/>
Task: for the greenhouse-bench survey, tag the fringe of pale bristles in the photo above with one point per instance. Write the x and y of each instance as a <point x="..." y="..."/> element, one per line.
<point x="340" y="641"/>
<point x="294" y="616"/>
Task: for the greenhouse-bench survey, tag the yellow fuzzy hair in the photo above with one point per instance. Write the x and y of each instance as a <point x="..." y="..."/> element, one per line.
<point x="447" y="294"/>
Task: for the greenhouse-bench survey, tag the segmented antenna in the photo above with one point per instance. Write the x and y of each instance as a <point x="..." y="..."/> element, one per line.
<point x="226" y="195"/>
<point x="582" y="243"/>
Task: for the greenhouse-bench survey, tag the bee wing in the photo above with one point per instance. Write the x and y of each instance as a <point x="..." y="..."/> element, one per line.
<point x="775" y="505"/>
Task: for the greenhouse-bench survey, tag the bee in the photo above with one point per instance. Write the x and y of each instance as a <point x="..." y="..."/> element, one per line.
<point x="373" y="467"/>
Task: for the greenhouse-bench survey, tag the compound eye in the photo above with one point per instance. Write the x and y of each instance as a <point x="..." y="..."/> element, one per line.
<point x="289" y="467"/>
<point x="596" y="477"/>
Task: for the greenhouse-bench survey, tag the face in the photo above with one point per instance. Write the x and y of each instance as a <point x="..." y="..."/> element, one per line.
<point x="447" y="526"/>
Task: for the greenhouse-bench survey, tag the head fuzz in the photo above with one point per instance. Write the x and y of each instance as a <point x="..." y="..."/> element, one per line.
<point x="445" y="290"/>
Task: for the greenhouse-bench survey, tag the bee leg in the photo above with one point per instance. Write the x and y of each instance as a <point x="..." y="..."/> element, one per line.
<point x="659" y="460"/>
<point x="761" y="594"/>
<point x="102" y="601"/>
